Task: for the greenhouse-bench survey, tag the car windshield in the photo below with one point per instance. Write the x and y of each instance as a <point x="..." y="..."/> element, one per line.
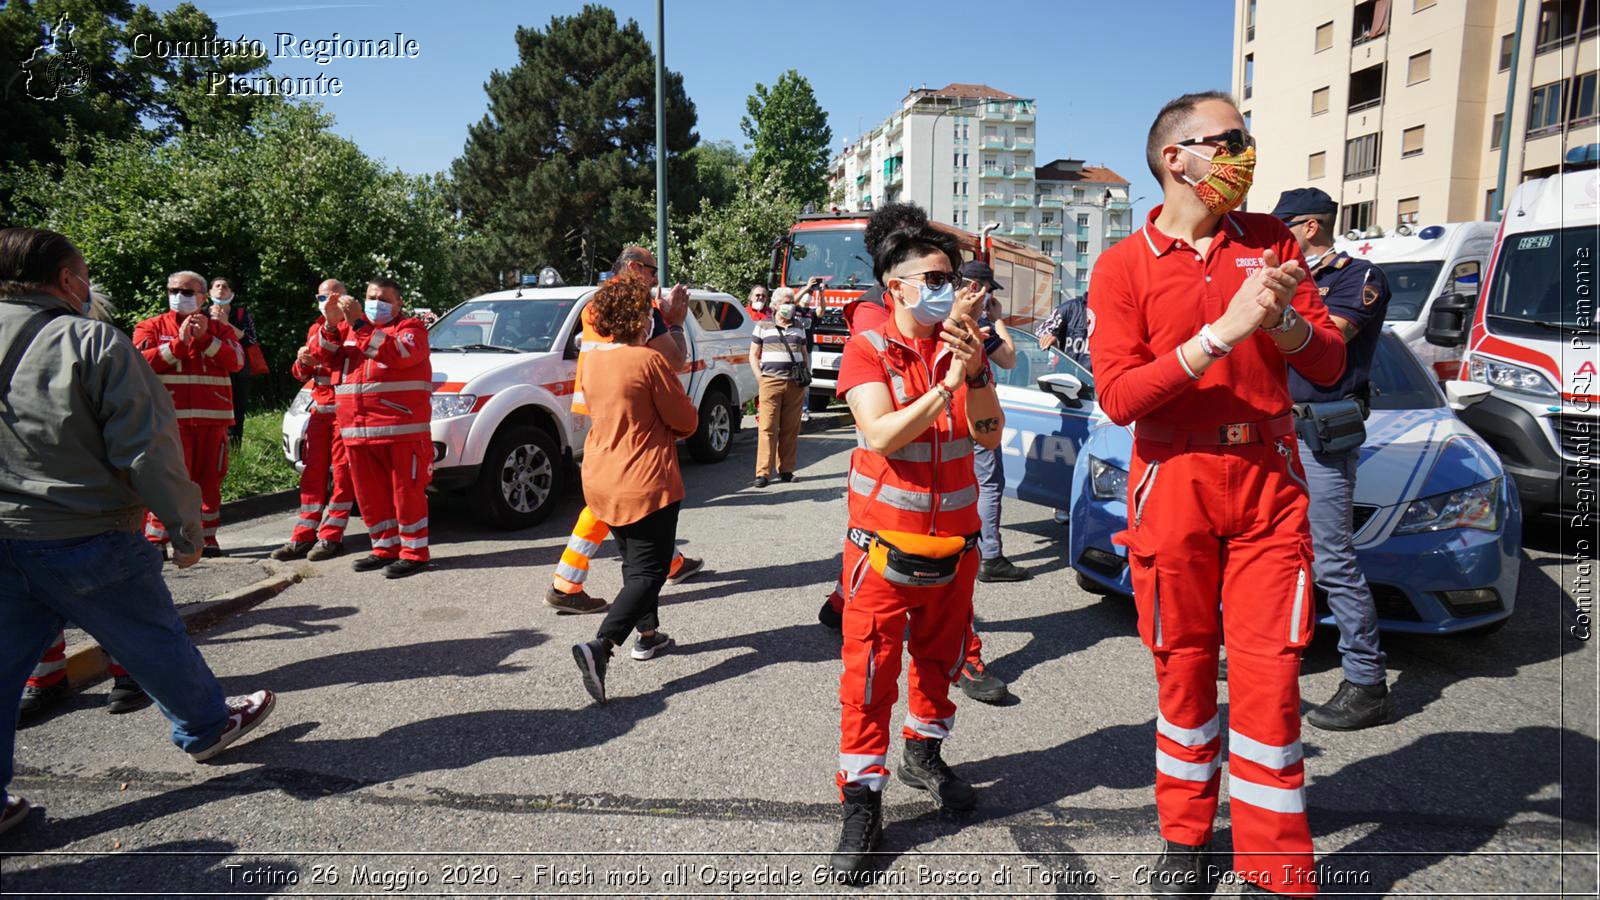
<point x="1398" y="379"/>
<point x="1409" y="285"/>
<point x="838" y="255"/>
<point x="501" y="326"/>
<point x="1536" y="287"/>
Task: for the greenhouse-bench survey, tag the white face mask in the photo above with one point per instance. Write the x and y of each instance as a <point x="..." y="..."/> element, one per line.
<point x="786" y="311"/>
<point x="759" y="305"/>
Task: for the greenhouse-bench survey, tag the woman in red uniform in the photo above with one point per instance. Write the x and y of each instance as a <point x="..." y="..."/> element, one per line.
<point x="920" y="392"/>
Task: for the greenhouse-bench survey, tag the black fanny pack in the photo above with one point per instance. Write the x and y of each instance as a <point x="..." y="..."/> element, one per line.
<point x="1332" y="427"/>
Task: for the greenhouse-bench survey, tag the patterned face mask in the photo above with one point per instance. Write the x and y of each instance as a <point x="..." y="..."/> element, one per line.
<point x="1225" y="186"/>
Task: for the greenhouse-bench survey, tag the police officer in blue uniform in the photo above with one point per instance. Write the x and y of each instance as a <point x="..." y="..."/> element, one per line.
<point x="1330" y="420"/>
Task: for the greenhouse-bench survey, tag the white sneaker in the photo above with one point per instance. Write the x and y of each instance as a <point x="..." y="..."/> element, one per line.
<point x="246" y="713"/>
<point x="16" y="810"/>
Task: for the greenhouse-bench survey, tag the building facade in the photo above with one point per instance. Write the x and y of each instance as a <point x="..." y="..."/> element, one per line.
<point x="1396" y="108"/>
<point x="965" y="153"/>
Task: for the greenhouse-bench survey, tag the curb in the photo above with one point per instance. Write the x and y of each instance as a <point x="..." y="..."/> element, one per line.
<point x="87" y="665"/>
<point x="260" y="504"/>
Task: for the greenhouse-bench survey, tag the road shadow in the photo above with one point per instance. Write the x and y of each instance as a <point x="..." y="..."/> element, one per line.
<point x="1058" y="635"/>
<point x="806" y="643"/>
<point x="526" y="557"/>
<point x="713" y="584"/>
<point x="456" y="657"/>
<point x="289" y="622"/>
<point x="170" y="868"/>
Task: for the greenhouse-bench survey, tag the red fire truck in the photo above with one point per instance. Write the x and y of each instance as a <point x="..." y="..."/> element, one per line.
<point x="831" y="245"/>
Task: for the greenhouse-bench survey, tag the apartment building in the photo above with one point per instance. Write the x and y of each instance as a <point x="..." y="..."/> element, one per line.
<point x="1397" y="108"/>
<point x="965" y="153"/>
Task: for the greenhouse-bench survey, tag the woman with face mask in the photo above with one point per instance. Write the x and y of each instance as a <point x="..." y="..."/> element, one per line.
<point x="225" y="307"/>
<point x="919" y="388"/>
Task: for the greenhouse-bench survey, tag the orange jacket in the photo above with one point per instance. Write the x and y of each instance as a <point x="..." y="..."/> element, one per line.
<point x="196" y="375"/>
<point x="928" y="486"/>
<point x="383" y="380"/>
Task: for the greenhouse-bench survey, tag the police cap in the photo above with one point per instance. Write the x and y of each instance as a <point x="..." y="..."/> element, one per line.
<point x="1304" y="202"/>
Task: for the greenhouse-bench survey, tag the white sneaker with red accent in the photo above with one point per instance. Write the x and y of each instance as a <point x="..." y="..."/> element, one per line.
<point x="245" y="713"/>
<point x="16" y="810"/>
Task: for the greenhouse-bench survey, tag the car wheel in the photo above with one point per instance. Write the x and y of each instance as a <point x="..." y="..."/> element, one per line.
<point x="521" y="477"/>
<point x="820" y="400"/>
<point x="714" y="436"/>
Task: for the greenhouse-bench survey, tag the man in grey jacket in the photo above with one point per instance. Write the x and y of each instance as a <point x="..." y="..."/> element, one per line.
<point x="88" y="440"/>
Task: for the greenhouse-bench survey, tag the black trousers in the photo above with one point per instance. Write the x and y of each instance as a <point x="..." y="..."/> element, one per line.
<point x="241" y="399"/>
<point x="646" y="547"/>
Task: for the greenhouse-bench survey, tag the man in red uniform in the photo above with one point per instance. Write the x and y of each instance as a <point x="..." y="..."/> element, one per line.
<point x="382" y="399"/>
<point x="920" y="392"/>
<point x="1196" y="326"/>
<point x="194" y="357"/>
<point x="865" y="313"/>
<point x="324" y="456"/>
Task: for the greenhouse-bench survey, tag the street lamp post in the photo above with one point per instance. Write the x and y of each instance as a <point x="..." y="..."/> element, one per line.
<point x="661" y="144"/>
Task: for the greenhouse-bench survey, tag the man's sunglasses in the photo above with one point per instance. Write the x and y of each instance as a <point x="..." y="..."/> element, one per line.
<point x="183" y="293"/>
<point x="937" y="279"/>
<point x="1234" y="140"/>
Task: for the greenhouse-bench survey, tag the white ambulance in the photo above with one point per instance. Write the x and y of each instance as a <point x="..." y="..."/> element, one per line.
<point x="1422" y="264"/>
<point x="503" y="364"/>
<point x="1532" y="338"/>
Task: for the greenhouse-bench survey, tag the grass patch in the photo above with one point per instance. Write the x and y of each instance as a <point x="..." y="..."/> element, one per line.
<point x="258" y="466"/>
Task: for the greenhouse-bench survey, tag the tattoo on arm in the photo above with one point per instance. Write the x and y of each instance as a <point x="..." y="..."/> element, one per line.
<point x="986" y="425"/>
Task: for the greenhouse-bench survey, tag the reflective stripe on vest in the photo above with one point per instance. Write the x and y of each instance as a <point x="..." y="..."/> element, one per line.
<point x="880" y="344"/>
<point x="383" y="387"/>
<point x="213" y="380"/>
<point x="922" y="451"/>
<point x="912" y="500"/>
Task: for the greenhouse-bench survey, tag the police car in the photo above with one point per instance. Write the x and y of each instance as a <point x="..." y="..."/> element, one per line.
<point x="1438" y="524"/>
<point x="503" y="365"/>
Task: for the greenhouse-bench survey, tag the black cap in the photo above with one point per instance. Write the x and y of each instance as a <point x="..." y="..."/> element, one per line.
<point x="1304" y="202"/>
<point x="978" y="270"/>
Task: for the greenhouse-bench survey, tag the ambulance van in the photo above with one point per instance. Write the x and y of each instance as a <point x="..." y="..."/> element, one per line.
<point x="1532" y="339"/>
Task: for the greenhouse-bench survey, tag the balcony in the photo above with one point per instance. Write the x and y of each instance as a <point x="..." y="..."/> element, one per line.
<point x="992" y="172"/>
<point x="1025" y="144"/>
<point x="1023" y="113"/>
<point x="1052" y="230"/>
<point x="1021" y="173"/>
<point x="993" y="142"/>
<point x="1020" y="229"/>
<point x="1117" y="234"/>
<point x="992" y="201"/>
<point x="1021" y="202"/>
<point x="1082" y="232"/>
<point x="1049" y="203"/>
<point x="894" y="177"/>
<point x="1118" y="205"/>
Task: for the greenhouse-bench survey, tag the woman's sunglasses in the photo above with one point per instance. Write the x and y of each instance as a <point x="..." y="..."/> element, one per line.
<point x="937" y="279"/>
<point x="1234" y="140"/>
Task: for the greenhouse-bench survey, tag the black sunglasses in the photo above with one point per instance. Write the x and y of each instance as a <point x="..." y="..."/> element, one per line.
<point x="938" y="278"/>
<point x="1234" y="140"/>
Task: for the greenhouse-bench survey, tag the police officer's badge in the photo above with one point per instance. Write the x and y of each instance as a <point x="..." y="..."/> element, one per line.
<point x="1369" y="294"/>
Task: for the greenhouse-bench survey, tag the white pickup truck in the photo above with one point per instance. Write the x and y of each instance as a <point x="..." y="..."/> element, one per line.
<point x="503" y="366"/>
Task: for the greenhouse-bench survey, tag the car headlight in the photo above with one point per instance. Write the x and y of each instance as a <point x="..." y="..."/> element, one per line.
<point x="1474" y="507"/>
<point x="1107" y="482"/>
<point x="301" y="404"/>
<point x="1511" y="377"/>
<point x="447" y="405"/>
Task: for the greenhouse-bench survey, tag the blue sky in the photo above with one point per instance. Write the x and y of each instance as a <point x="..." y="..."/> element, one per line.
<point x="1098" y="70"/>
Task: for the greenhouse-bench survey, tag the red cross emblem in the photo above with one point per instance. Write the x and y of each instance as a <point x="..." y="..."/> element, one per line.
<point x="1364" y="249"/>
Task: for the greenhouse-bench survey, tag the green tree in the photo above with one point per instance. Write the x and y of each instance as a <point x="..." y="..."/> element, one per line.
<point x="277" y="206"/>
<point x="731" y="247"/>
<point x="719" y="171"/>
<point x="789" y="136"/>
<point x="559" y="169"/>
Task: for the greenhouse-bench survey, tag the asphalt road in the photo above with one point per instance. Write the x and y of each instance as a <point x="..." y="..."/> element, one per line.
<point x="435" y="728"/>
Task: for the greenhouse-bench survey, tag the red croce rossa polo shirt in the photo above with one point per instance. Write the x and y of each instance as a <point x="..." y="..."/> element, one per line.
<point x="1150" y="293"/>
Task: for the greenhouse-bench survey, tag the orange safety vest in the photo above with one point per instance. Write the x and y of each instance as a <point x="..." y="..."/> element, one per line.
<point x="928" y="486"/>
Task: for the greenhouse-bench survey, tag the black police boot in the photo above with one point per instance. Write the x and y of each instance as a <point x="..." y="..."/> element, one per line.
<point x="292" y="550"/>
<point x="863" y="826"/>
<point x="923" y="767"/>
<point x="1353" y="707"/>
<point x="830" y="617"/>
<point x="126" y="696"/>
<point x="1183" y="871"/>
<point x="1001" y="569"/>
<point x="36" y="701"/>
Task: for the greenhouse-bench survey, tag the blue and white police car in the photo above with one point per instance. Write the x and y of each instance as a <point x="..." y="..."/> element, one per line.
<point x="1437" y="523"/>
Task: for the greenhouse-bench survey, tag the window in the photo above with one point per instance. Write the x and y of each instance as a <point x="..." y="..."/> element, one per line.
<point x="1508" y="42"/>
<point x="1316" y="165"/>
<point x="1411" y="141"/>
<point x="1419" y="67"/>
<point x="1246" y="115"/>
<point x="955" y="186"/>
<point x="1361" y="156"/>
<point x="1583" y="106"/>
<point x="1250" y="20"/>
<point x="1371" y="20"/>
<point x="1366" y="87"/>
<point x="1558" y="23"/>
<point x="1083" y="247"/>
<point x="955" y="160"/>
<point x="1047" y="246"/>
<point x="1496" y="128"/>
<point x="1420" y="5"/>
<point x="1077" y="195"/>
<point x="1358" y="216"/>
<point x="1406" y="211"/>
<point x="1249" y="73"/>
<point x="1319" y="101"/>
<point x="1324" y="38"/>
<point x="1047" y="218"/>
<point x="1083" y="220"/>
<point x="1544" y="111"/>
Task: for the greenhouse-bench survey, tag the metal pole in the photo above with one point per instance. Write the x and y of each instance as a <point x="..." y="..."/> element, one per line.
<point x="1511" y="100"/>
<point x="661" y="144"/>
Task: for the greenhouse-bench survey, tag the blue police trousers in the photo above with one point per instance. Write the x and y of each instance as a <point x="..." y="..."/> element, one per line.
<point x="1332" y="482"/>
<point x="991" y="471"/>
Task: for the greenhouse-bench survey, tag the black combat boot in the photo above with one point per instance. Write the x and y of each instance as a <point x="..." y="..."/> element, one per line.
<point x="863" y="825"/>
<point x="1183" y="871"/>
<point x="923" y="767"/>
<point x="1353" y="707"/>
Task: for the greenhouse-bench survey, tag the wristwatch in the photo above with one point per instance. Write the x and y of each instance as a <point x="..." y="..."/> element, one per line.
<point x="983" y="379"/>
<point x="1286" y="324"/>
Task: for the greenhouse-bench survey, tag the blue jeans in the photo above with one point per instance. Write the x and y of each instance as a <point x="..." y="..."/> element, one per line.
<point x="991" y="470"/>
<point x="109" y="585"/>
<point x="1332" y="483"/>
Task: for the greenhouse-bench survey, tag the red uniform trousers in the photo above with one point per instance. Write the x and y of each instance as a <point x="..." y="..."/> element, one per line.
<point x="324" y="454"/>
<point x="1226" y="527"/>
<point x="205" y="454"/>
<point x="391" y="482"/>
<point x="836" y="600"/>
<point x="875" y="619"/>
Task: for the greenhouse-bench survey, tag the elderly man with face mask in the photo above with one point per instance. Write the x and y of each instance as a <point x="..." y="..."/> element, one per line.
<point x="195" y="357"/>
<point x="778" y="359"/>
<point x="382" y="403"/>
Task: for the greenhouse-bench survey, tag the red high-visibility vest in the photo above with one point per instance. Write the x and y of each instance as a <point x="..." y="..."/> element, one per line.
<point x="195" y="375"/>
<point x="384" y="387"/>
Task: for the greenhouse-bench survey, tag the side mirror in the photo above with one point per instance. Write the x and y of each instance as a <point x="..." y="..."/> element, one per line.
<point x="1450" y="320"/>
<point x="1462" y="394"/>
<point x="1063" y="387"/>
<point x="573" y="343"/>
